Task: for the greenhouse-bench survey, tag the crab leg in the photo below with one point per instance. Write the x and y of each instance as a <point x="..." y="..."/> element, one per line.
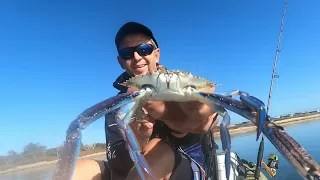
<point x="126" y="111"/>
<point x="256" y="106"/>
<point x="249" y="107"/>
<point x="226" y="141"/>
<point x="284" y="143"/>
<point x="71" y="147"/>
<point x="298" y="157"/>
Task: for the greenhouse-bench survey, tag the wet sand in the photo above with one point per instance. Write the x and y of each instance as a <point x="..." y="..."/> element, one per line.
<point x="50" y="164"/>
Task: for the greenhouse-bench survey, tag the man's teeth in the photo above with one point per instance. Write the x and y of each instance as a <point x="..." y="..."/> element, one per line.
<point x="141" y="66"/>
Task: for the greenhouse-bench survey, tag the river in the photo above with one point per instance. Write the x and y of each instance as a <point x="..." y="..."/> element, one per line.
<point x="307" y="134"/>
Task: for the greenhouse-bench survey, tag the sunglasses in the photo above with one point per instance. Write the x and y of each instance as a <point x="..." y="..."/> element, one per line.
<point x="142" y="50"/>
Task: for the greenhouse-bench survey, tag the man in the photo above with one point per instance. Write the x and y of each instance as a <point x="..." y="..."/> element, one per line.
<point x="173" y="129"/>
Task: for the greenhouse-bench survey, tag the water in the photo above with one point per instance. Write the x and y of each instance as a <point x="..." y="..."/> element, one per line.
<point x="305" y="134"/>
<point x="245" y="146"/>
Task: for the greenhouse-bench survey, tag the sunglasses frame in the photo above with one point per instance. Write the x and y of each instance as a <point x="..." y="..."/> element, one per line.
<point x="136" y="49"/>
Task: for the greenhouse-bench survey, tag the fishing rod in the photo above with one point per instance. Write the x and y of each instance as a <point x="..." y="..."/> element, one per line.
<point x="274" y="73"/>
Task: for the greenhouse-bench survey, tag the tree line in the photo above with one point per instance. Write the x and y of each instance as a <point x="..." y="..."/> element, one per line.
<point x="36" y="152"/>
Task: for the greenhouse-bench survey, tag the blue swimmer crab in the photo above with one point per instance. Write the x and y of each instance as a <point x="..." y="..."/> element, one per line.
<point x="178" y="86"/>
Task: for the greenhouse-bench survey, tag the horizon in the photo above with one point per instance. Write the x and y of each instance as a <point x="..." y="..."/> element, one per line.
<point x="58" y="59"/>
<point x="239" y="124"/>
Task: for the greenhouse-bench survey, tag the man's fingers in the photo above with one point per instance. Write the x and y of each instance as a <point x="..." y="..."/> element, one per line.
<point x="142" y="128"/>
<point x="196" y="106"/>
<point x="145" y="129"/>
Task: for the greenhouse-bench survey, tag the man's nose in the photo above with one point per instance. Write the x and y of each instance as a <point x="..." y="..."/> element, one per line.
<point x="136" y="56"/>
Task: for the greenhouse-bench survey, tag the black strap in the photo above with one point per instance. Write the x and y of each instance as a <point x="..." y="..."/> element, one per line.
<point x="174" y="131"/>
<point x="209" y="148"/>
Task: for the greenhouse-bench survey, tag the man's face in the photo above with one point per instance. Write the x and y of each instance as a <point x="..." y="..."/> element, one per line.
<point x="139" y="64"/>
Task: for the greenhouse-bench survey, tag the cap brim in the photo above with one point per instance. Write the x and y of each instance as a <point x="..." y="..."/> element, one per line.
<point x="131" y="28"/>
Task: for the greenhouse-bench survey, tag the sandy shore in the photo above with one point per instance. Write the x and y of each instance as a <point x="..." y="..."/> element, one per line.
<point x="96" y="156"/>
<point x="283" y="122"/>
<point x="233" y="132"/>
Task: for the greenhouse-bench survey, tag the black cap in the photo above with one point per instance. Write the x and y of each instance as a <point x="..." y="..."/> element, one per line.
<point x="130" y="28"/>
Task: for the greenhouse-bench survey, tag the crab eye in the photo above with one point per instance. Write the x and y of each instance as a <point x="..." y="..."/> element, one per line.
<point x="147" y="86"/>
<point x="193" y="87"/>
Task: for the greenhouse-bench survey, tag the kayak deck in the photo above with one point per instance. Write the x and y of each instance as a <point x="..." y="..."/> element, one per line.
<point x="240" y="170"/>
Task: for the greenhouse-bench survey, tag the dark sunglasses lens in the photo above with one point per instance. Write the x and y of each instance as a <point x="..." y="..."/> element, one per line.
<point x="145" y="49"/>
<point x="126" y="53"/>
<point x="142" y="50"/>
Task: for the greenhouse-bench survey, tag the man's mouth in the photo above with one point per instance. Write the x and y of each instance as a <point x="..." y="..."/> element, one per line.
<point x="139" y="66"/>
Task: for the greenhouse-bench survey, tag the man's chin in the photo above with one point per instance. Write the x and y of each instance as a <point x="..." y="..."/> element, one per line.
<point x="140" y="73"/>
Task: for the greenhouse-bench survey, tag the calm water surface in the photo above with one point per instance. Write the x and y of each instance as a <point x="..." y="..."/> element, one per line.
<point x="306" y="134"/>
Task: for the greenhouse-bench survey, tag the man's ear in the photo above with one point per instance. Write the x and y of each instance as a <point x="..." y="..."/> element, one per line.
<point x="157" y="54"/>
<point x="120" y="61"/>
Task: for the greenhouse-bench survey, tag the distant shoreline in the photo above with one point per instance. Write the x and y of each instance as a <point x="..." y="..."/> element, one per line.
<point x="234" y="131"/>
<point x="249" y="128"/>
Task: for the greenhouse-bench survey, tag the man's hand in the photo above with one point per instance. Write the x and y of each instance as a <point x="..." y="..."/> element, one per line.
<point x="199" y="113"/>
<point x="196" y="107"/>
<point x="143" y="129"/>
<point x="196" y="110"/>
<point x="187" y="117"/>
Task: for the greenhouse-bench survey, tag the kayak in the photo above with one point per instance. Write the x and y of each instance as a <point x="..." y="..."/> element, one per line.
<point x="240" y="169"/>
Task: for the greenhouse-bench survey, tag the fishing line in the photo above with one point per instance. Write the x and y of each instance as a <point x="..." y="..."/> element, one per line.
<point x="275" y="75"/>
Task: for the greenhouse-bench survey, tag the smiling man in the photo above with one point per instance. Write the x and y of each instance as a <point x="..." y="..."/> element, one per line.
<point x="170" y="135"/>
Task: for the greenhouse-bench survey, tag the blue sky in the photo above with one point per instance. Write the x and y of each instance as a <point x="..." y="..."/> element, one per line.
<point x="59" y="58"/>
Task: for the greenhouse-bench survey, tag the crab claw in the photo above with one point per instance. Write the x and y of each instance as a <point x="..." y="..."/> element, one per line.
<point x="257" y="106"/>
<point x="226" y="142"/>
<point x="70" y="149"/>
<point x="123" y="118"/>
